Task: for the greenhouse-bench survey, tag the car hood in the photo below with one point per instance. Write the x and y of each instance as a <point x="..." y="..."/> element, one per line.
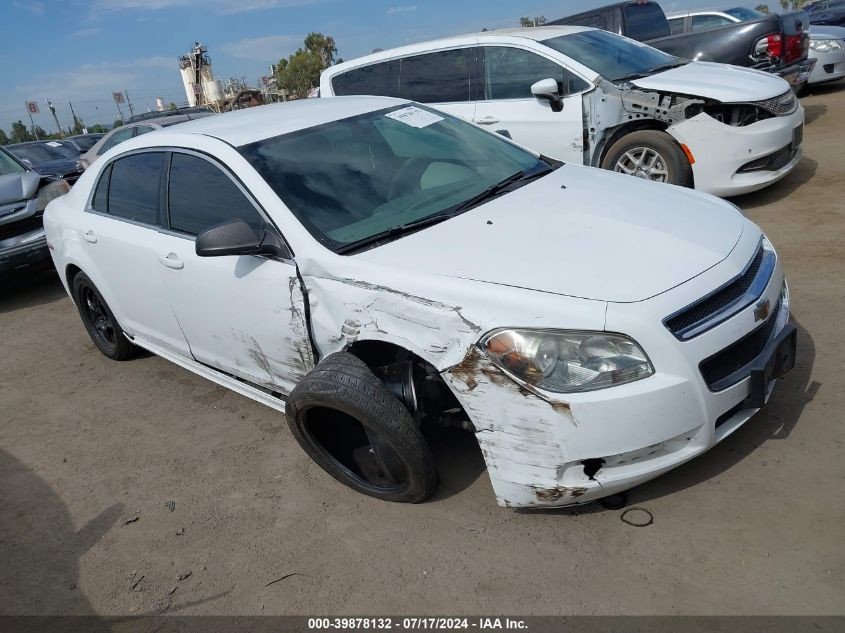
<point x="580" y="232"/>
<point x="57" y="167"/>
<point x="822" y="32"/>
<point x="15" y="187"/>
<point x="728" y="84"/>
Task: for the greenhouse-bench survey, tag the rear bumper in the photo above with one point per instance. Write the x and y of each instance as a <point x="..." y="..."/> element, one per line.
<point x="798" y="73"/>
<point x="31" y="253"/>
<point x="722" y="152"/>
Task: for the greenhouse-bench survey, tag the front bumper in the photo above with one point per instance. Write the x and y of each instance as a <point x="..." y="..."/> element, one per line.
<point x="721" y="151"/>
<point x="830" y="66"/>
<point x="535" y="445"/>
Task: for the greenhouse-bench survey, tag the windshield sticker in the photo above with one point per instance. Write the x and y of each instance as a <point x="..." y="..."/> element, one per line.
<point x="415" y="117"/>
<point x="54" y="144"/>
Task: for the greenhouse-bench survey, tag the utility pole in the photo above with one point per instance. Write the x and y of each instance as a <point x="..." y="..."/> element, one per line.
<point x="55" y="118"/>
<point x="129" y="103"/>
<point x="75" y="120"/>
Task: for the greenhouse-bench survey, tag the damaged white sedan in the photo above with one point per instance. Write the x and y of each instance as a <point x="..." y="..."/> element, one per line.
<point x="595" y="98"/>
<point x="372" y="267"/>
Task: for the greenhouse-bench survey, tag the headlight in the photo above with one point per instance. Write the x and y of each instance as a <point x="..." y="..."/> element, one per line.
<point x="564" y="361"/>
<point x="824" y="46"/>
<point x="51" y="191"/>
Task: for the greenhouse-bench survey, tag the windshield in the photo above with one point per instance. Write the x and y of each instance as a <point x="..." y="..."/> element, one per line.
<point x="741" y="13"/>
<point x="88" y="141"/>
<point x="612" y="56"/>
<point x="9" y="165"/>
<point x="351" y="180"/>
<point x="42" y="152"/>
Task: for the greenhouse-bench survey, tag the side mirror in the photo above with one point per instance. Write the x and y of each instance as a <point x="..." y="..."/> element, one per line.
<point x="237" y="238"/>
<point x="26" y="162"/>
<point x="547" y="89"/>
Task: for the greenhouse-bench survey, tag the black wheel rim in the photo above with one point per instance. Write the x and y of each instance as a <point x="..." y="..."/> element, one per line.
<point x="98" y="318"/>
<point x="362" y="454"/>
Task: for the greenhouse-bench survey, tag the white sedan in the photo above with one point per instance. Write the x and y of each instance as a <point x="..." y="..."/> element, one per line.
<point x="595" y="98"/>
<point x="372" y="267"/>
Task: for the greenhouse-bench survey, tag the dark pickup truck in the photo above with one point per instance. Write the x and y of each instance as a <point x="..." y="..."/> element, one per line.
<point x="774" y="43"/>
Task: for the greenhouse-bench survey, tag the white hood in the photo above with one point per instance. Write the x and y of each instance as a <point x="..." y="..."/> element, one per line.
<point x="728" y="84"/>
<point x="581" y="232"/>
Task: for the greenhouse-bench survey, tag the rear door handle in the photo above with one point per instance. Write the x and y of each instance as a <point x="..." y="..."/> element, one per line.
<point x="487" y="120"/>
<point x="90" y="237"/>
<point x="171" y="260"/>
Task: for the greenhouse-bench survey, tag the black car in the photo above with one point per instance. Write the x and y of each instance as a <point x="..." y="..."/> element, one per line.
<point x="82" y="142"/>
<point x="24" y="195"/>
<point x="50" y="158"/>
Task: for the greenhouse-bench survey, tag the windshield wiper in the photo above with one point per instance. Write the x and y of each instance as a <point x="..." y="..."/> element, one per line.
<point x="396" y="231"/>
<point x="522" y="177"/>
<point x="650" y="71"/>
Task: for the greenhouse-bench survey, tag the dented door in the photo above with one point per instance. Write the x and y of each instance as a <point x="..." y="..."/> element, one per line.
<point x="241" y="314"/>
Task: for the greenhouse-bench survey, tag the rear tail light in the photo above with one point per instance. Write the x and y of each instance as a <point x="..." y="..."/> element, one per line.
<point x="796" y="47"/>
<point x="775" y="45"/>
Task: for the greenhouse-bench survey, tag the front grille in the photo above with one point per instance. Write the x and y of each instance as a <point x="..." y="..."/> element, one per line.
<point x="729" y="366"/>
<point x="686" y="323"/>
<point x="13" y="229"/>
<point x="787" y="103"/>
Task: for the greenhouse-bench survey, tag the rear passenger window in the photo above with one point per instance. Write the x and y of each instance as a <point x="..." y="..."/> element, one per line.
<point x="134" y="187"/>
<point x="509" y="73"/>
<point x="200" y="196"/>
<point x="118" y="137"/>
<point x="442" y="77"/>
<point x="705" y="22"/>
<point x="676" y="26"/>
<point x="100" y="202"/>
<point x="369" y="80"/>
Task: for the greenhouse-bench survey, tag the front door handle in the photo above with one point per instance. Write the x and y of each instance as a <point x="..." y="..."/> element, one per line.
<point x="487" y="120"/>
<point x="171" y="260"/>
<point x="90" y="237"/>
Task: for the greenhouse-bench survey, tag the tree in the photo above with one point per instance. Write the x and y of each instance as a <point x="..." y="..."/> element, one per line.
<point x="78" y="126"/>
<point x="96" y="129"/>
<point x="535" y="21"/>
<point x="41" y="133"/>
<point x="171" y="106"/>
<point x="300" y="72"/>
<point x="762" y="8"/>
<point x="117" y="123"/>
<point x="4" y="140"/>
<point x="784" y="4"/>
<point x="20" y="134"/>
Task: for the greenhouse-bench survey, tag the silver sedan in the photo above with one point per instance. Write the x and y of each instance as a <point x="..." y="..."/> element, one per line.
<point x="827" y="45"/>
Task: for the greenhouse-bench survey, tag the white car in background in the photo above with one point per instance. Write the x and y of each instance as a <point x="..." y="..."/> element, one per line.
<point x="827" y="43"/>
<point x="372" y="267"/>
<point x="595" y="98"/>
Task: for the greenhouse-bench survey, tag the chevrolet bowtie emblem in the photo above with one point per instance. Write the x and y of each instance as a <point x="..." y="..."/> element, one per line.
<point x="761" y="310"/>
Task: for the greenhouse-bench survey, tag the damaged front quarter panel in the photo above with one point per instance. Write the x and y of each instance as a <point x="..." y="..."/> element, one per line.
<point x="522" y="434"/>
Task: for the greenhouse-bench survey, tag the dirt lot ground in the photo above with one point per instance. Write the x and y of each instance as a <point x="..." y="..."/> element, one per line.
<point x="92" y="452"/>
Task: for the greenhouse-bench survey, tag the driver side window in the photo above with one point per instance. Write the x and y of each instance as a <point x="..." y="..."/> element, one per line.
<point x="200" y="196"/>
<point x="510" y="72"/>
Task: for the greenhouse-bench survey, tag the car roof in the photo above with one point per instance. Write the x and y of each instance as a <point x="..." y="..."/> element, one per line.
<point x="538" y="33"/>
<point x="240" y="127"/>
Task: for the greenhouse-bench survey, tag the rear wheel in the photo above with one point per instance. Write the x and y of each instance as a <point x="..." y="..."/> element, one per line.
<point x="359" y="432"/>
<point x="99" y="321"/>
<point x="650" y="155"/>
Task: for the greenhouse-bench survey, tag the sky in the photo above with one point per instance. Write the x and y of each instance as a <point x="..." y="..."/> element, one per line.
<point x="79" y="52"/>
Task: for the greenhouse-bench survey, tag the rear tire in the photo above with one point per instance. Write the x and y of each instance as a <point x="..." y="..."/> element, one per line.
<point x="356" y="430"/>
<point x="99" y="321"/>
<point x="651" y="155"/>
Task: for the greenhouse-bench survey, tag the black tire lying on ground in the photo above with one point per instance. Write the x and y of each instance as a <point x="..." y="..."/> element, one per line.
<point x="359" y="432"/>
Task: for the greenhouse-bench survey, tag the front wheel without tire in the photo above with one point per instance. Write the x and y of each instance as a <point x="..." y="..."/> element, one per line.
<point x="99" y="321"/>
<point x="650" y="155"/>
<point x="359" y="432"/>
